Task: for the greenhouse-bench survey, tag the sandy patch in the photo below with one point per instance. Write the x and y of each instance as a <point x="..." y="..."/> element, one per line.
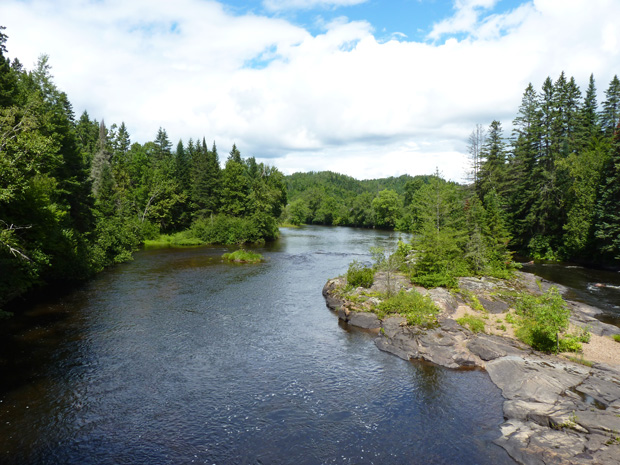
<point x="602" y="349"/>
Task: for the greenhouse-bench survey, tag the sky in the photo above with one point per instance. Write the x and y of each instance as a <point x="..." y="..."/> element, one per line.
<point x="366" y="88"/>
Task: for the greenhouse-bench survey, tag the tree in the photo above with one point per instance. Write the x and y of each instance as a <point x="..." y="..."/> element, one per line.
<point x="492" y="172"/>
<point x="439" y="237"/>
<point x="610" y="116"/>
<point x="386" y="208"/>
<point x="607" y="226"/>
<point x="235" y="186"/>
<point x="476" y="143"/>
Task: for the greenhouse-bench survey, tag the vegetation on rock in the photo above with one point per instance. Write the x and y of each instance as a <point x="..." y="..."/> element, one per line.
<point x="243" y="256"/>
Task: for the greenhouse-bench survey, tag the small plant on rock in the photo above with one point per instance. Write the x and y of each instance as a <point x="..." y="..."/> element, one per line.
<point x="475" y="324"/>
<point x="359" y="275"/>
<point x="418" y="309"/>
<point x="543" y="319"/>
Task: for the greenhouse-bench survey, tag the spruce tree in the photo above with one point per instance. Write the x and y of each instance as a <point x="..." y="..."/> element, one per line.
<point x="607" y="227"/>
<point x="610" y="115"/>
<point x="492" y="174"/>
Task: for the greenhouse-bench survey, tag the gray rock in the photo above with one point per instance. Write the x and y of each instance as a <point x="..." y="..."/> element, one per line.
<point x="493" y="306"/>
<point x="556" y="412"/>
<point x="364" y="320"/>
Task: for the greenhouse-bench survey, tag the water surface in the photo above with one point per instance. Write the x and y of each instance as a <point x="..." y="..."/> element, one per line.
<point x="178" y="357"/>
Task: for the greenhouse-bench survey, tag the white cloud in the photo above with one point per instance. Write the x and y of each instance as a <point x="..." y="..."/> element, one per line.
<point x="342" y="100"/>
<point x="278" y="5"/>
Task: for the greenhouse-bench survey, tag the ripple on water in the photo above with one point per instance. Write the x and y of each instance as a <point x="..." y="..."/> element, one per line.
<point x="177" y="357"/>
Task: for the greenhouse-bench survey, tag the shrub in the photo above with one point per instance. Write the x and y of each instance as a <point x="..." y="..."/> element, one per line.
<point x="359" y="275"/>
<point x="544" y="317"/>
<point x="475" y="324"/>
<point x="431" y="280"/>
<point x="418" y="309"/>
<point x="222" y="229"/>
<point x="616" y="337"/>
<point x="243" y="256"/>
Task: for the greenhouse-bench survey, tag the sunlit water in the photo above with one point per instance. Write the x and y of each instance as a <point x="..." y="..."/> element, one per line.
<point x="177" y="357"/>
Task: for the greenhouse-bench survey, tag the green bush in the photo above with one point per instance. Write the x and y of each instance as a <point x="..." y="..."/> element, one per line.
<point x="223" y="229"/>
<point x="244" y="256"/>
<point x="359" y="275"/>
<point x="431" y="280"/>
<point x="616" y="337"/>
<point x="475" y="324"/>
<point x="543" y="319"/>
<point x="418" y="309"/>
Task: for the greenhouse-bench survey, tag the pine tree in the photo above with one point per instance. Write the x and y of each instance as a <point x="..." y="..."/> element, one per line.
<point x="163" y="146"/>
<point x="610" y="116"/>
<point x="101" y="161"/>
<point x="523" y="171"/>
<point x="607" y="227"/>
<point x="588" y="128"/>
<point x="492" y="174"/>
<point x="235" y="186"/>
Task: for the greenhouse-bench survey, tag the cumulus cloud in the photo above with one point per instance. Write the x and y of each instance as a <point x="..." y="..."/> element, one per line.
<point x="341" y="100"/>
<point x="278" y="5"/>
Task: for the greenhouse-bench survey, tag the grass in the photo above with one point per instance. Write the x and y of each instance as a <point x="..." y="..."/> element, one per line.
<point x="616" y="337"/>
<point x="418" y="309"/>
<point x="474" y="323"/>
<point x="243" y="256"/>
<point x="580" y="360"/>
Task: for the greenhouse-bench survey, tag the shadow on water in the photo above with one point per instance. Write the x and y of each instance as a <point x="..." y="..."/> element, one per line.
<point x="178" y="357"/>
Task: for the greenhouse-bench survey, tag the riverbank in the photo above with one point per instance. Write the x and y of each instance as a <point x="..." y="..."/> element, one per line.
<point x="556" y="410"/>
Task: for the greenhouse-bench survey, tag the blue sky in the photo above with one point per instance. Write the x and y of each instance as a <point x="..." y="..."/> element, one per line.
<point x="366" y="88"/>
<point x="413" y="18"/>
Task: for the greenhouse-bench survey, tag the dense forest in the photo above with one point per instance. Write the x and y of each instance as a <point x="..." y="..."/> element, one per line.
<point x="335" y="199"/>
<point x="552" y="186"/>
<point x="76" y="196"/>
<point x="557" y="178"/>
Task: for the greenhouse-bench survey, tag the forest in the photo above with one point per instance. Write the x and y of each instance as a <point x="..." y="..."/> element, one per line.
<point x="77" y="196"/>
<point x="552" y="186"/>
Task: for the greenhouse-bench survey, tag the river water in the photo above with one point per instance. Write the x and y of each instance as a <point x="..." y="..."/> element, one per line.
<point x="178" y="357"/>
<point x="599" y="288"/>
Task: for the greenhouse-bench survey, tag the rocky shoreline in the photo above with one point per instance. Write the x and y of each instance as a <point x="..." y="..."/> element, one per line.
<point x="556" y="411"/>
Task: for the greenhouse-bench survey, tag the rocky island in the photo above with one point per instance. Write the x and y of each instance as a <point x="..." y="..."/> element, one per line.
<point x="558" y="409"/>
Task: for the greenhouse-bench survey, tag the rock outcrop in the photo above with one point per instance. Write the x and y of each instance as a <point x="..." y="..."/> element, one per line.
<point x="556" y="411"/>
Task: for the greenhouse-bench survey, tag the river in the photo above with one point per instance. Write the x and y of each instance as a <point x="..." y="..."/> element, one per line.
<point x="178" y="358"/>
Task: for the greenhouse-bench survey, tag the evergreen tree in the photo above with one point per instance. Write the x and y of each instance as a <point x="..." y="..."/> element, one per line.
<point x="492" y="174"/>
<point x="607" y="227"/>
<point x="235" y="186"/>
<point x="610" y="116"/>
<point x="163" y="146"/>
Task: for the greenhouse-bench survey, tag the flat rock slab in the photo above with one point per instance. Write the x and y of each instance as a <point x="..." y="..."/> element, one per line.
<point x="364" y="320"/>
<point x="556" y="411"/>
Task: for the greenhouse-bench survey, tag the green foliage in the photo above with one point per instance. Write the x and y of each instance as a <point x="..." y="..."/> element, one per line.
<point x="543" y="319"/>
<point x="359" y="275"/>
<point x="616" y="337"/>
<point x="243" y="256"/>
<point x="76" y="197"/>
<point x="418" y="309"/>
<point x="475" y="324"/>
<point x="229" y="230"/>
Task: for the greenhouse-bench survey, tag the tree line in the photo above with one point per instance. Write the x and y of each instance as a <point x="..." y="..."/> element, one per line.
<point x="77" y="196"/>
<point x="328" y="198"/>
<point x="557" y="178"/>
